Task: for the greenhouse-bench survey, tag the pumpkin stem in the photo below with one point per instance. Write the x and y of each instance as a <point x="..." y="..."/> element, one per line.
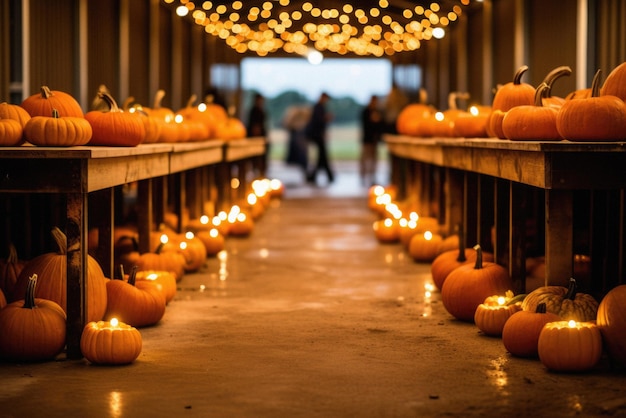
<point x="517" y="78"/>
<point x="60" y="239"/>
<point x="192" y="100"/>
<point x="479" y="257"/>
<point x="46" y="92"/>
<point x="541" y="308"/>
<point x="517" y="298"/>
<point x="132" y="276"/>
<point x="423" y="96"/>
<point x="109" y="100"/>
<point x="119" y="273"/>
<point x="127" y="102"/>
<point x="595" y="84"/>
<point x="55" y="114"/>
<point x="158" y="98"/>
<point x="540" y="92"/>
<point x="461" y="258"/>
<point x="12" y="257"/>
<point x="29" y="297"/>
<point x="553" y="75"/>
<point x="571" y="290"/>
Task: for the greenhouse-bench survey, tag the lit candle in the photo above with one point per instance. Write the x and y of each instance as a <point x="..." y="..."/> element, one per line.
<point x="570" y="346"/>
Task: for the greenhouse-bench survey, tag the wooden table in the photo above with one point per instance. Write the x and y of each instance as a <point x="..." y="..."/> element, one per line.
<point x="75" y="172"/>
<point x="557" y="167"/>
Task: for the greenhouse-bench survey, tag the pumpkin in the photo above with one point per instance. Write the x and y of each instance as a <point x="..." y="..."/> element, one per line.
<point x="532" y="123"/>
<point x="42" y="104"/>
<point x="520" y="334"/>
<point x="611" y="320"/>
<point x="473" y="123"/>
<point x="565" y="302"/>
<point x="217" y="112"/>
<point x="151" y="126"/>
<point x="200" y="113"/>
<point x="598" y="118"/>
<point x="158" y="111"/>
<point x="213" y="241"/>
<point x="240" y="223"/>
<point x="171" y="261"/>
<point x="115" y="127"/>
<point x="193" y="251"/>
<point x="425" y="247"/>
<point x="387" y="230"/>
<point x="411" y="118"/>
<point x="231" y="128"/>
<point x="447" y="261"/>
<point x="110" y="342"/>
<point x="491" y="316"/>
<point x="510" y="95"/>
<point x="52" y="283"/>
<point x="15" y="112"/>
<point x="32" y="329"/>
<point x="136" y="302"/>
<point x="615" y="83"/>
<point x="10" y="270"/>
<point x="468" y="285"/>
<point x="569" y="346"/>
<point x="165" y="281"/>
<point x="11" y="133"/>
<point x="56" y="131"/>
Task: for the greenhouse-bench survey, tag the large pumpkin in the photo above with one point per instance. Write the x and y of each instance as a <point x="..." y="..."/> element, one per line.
<point x="56" y="131"/>
<point x="569" y="346"/>
<point x="615" y="83"/>
<point x="115" y="127"/>
<point x="612" y="323"/>
<point x="597" y="118"/>
<point x="32" y="329"/>
<point x="469" y="285"/>
<point x="51" y="269"/>
<point x="42" y="104"/>
<point x="565" y="302"/>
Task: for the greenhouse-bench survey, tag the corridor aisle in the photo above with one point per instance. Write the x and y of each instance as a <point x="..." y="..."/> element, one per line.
<point x="309" y="317"/>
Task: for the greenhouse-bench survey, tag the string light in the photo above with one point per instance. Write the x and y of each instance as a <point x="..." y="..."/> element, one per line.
<point x="378" y="30"/>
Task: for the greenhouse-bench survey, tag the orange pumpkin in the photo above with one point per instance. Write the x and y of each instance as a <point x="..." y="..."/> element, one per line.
<point x="32" y="329"/>
<point x="598" y="118"/>
<point x="569" y="346"/>
<point x="550" y="78"/>
<point x="612" y="323"/>
<point x="532" y="123"/>
<point x="10" y="270"/>
<point x="521" y="331"/>
<point x="213" y="241"/>
<point x="115" y="127"/>
<point x="447" y="261"/>
<point x="229" y="129"/>
<point x="137" y="303"/>
<point x="510" y="95"/>
<point x="165" y="281"/>
<point x="615" y="83"/>
<point x="43" y="103"/>
<point x="15" y="112"/>
<point x="490" y="316"/>
<point x="52" y="283"/>
<point x="468" y="285"/>
<point x="425" y="247"/>
<point x="11" y="133"/>
<point x="110" y="342"/>
<point x="152" y="127"/>
<point x="56" y="131"/>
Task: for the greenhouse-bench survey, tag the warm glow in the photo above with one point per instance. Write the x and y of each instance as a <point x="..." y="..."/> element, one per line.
<point x="439" y="116"/>
<point x="252" y="199"/>
<point x="234" y="183"/>
<point x="473" y="110"/>
<point x="428" y="235"/>
<point x="183" y="245"/>
<point x="164" y="239"/>
<point x="114" y="322"/>
<point x="214" y="233"/>
<point x="204" y="219"/>
<point x="189" y="235"/>
<point x="152" y="276"/>
<point x="571" y="323"/>
<point x="388" y="222"/>
<point x="501" y="300"/>
<point x="276" y="184"/>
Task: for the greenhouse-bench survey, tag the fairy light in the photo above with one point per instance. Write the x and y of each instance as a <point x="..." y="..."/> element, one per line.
<point x="341" y="30"/>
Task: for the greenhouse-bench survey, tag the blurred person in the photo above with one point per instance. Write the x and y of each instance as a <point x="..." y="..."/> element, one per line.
<point x="372" y="126"/>
<point x="257" y="126"/>
<point x="316" y="132"/>
<point x="395" y="102"/>
<point x="295" y="121"/>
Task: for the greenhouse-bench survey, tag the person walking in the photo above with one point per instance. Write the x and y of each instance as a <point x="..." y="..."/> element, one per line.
<point x="372" y="126"/>
<point x="257" y="121"/>
<point x="295" y="121"/>
<point x="316" y="133"/>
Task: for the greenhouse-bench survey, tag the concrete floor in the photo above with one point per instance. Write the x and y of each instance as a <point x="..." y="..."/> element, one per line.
<point x="314" y="318"/>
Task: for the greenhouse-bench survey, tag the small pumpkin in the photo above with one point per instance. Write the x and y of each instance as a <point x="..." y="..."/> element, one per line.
<point x="490" y="316"/>
<point x="32" y="329"/>
<point x="229" y="129"/>
<point x="136" y="302"/>
<point x="569" y="346"/>
<point x="56" y="131"/>
<point x="565" y="302"/>
<point x="165" y="281"/>
<point x="473" y="123"/>
<point x="213" y="241"/>
<point x="171" y="261"/>
<point x="15" y="112"/>
<point x="598" y="118"/>
<point x="110" y="342"/>
<point x="52" y="283"/>
<point x="425" y="247"/>
<point x="468" y="285"/>
<point x="42" y="104"/>
<point x="387" y="230"/>
<point x="115" y="127"/>
<point x="611" y="320"/>
<point x="520" y="334"/>
<point x="508" y="96"/>
<point x="152" y="127"/>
